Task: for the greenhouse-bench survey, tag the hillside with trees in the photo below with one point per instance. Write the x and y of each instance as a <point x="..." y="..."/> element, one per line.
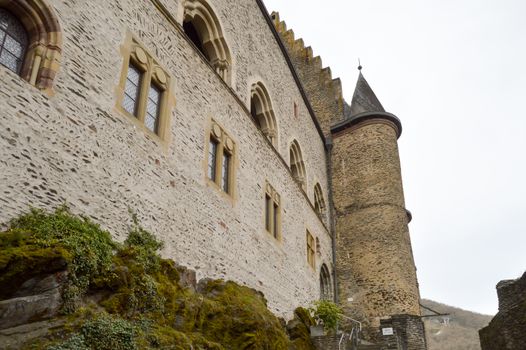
<point x="457" y="331"/>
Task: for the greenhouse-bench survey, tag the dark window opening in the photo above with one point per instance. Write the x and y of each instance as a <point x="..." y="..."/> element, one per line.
<point x="226" y="173"/>
<point x="194" y="36"/>
<point x="276" y="213"/>
<point x="212" y="159"/>
<point x="253" y="111"/>
<point x="268" y="204"/>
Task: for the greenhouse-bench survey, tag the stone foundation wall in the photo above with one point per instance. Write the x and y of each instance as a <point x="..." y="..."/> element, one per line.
<point x="409" y="331"/>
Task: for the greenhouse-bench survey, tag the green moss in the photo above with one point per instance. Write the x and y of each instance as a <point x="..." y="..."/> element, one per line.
<point x="238" y="316"/>
<point x="21" y="263"/>
<point x="40" y="242"/>
<point x="299" y="330"/>
<point x="135" y="299"/>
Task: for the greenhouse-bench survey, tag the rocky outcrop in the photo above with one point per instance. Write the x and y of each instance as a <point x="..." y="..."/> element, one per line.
<point x="38" y="299"/>
<point x="89" y="292"/>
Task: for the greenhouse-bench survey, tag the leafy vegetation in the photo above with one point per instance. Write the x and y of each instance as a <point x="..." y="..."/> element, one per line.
<point x="125" y="296"/>
<point x="40" y="241"/>
<point x="328" y="313"/>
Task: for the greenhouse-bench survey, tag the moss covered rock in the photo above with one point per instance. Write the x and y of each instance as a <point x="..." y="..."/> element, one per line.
<point x="127" y="297"/>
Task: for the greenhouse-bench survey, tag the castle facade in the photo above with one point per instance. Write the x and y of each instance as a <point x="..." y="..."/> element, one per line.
<point x="223" y="133"/>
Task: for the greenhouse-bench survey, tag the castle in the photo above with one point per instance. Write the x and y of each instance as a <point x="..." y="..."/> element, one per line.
<point x="225" y="135"/>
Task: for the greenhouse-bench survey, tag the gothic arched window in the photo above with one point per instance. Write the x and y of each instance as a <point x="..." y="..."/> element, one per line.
<point x="13" y="41"/>
<point x="30" y="41"/>
<point x="297" y="166"/>
<point x="319" y="202"/>
<point x="202" y="27"/>
<point x="262" y="112"/>
<point x="325" y="283"/>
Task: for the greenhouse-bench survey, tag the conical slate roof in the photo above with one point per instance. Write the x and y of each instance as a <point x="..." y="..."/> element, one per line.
<point x="364" y="106"/>
<point x="364" y="100"/>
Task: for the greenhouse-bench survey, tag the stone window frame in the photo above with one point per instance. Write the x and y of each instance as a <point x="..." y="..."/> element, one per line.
<point x="310" y="243"/>
<point x="272" y="212"/>
<point x="262" y="112"/>
<point x="135" y="54"/>
<point x="44" y="50"/>
<point x="215" y="50"/>
<point x="297" y="164"/>
<point x="319" y="200"/>
<point x="225" y="145"/>
<point x="326" y="286"/>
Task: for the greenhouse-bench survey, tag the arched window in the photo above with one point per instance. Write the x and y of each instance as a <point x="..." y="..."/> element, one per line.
<point x="325" y="283"/>
<point x="31" y="41"/>
<point x="262" y="112"/>
<point x="202" y="27"/>
<point x="13" y="41"/>
<point x="297" y="166"/>
<point x="319" y="202"/>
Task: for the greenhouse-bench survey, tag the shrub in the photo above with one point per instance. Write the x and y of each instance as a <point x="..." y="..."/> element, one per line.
<point x="328" y="313"/>
<point x="144" y="245"/>
<point x="102" y="333"/>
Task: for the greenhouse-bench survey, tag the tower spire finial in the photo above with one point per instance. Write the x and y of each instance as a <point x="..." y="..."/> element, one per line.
<point x="359" y="65"/>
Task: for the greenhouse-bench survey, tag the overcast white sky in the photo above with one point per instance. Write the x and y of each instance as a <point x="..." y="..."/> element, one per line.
<point x="454" y="72"/>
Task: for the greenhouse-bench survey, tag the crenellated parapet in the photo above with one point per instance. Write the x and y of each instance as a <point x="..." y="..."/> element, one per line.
<point x="323" y="91"/>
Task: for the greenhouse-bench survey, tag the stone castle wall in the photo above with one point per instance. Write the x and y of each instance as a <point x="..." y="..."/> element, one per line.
<point x="76" y="147"/>
<point x="507" y="330"/>
<point x="324" y="92"/>
<point x="375" y="266"/>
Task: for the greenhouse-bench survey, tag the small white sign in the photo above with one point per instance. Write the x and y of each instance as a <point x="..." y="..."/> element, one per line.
<point x="387" y="331"/>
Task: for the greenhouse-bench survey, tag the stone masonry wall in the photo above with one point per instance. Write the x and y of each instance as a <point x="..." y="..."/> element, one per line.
<point x="375" y="266"/>
<point x="507" y="330"/>
<point x="409" y="331"/>
<point x="76" y="147"/>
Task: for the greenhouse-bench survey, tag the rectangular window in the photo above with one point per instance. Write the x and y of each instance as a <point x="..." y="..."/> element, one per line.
<point x="276" y="222"/>
<point x="272" y="212"/>
<point x="311" y="250"/>
<point x="268" y="214"/>
<point x="132" y="89"/>
<point x="152" y="109"/>
<point x="225" y="173"/>
<point x="212" y="159"/>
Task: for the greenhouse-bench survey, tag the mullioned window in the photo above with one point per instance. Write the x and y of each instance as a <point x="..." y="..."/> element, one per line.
<point x="220" y="159"/>
<point x="144" y="92"/>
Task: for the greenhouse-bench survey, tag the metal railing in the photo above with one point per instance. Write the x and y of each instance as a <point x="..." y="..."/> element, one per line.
<point x="353" y="320"/>
<point x="353" y="336"/>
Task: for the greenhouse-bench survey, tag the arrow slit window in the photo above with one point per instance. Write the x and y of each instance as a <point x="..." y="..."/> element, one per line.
<point x="311" y="250"/>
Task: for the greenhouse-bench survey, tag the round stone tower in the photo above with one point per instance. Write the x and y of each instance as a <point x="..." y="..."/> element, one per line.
<point x="376" y="273"/>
